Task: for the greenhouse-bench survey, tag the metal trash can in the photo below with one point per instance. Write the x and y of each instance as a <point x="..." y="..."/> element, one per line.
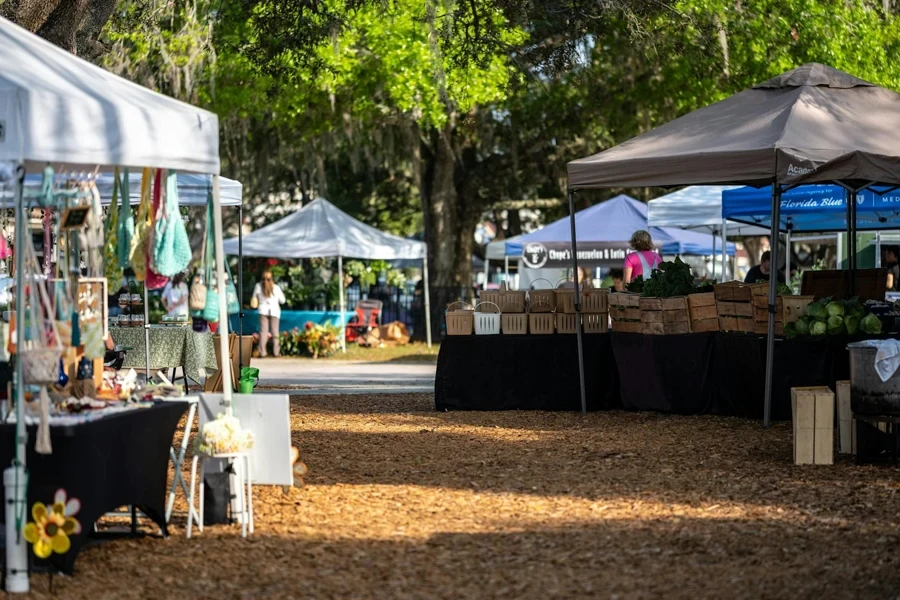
<point x="868" y="394"/>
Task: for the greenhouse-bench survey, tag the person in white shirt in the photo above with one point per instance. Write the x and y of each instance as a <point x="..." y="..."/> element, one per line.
<point x="175" y="298"/>
<point x="267" y="299"/>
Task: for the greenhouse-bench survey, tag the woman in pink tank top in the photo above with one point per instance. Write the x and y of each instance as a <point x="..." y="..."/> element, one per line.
<point x="644" y="259"/>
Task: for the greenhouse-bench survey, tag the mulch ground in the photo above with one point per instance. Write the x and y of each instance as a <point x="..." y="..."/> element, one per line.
<point x="405" y="503"/>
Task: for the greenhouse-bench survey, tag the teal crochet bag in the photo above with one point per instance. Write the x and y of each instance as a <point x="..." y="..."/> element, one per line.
<point x="125" y="230"/>
<point x="172" y="251"/>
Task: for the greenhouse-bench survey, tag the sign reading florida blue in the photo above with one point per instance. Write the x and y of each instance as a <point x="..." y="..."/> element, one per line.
<point x="813" y="207"/>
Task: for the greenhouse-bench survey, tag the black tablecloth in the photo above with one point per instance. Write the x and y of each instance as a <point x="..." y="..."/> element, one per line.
<point x="719" y="373"/>
<point x="119" y="460"/>
<point x="668" y="373"/>
<point x="539" y="372"/>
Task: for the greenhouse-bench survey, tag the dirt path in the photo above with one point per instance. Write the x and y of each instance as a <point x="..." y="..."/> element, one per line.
<point x="402" y="502"/>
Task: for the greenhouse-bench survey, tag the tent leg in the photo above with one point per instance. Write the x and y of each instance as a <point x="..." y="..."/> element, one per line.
<point x="787" y="256"/>
<point x="240" y="286"/>
<point x="487" y="271"/>
<point x="427" y="300"/>
<point x="578" y="328"/>
<point x="147" y="332"/>
<point x="714" y="253"/>
<point x="877" y="249"/>
<point x="506" y="268"/>
<point x="223" y="302"/>
<point x="16" y="548"/>
<point x="725" y="251"/>
<point x="341" y="300"/>
<point x="773" y="283"/>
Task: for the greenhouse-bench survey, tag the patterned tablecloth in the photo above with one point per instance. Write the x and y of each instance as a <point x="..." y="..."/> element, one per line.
<point x="169" y="347"/>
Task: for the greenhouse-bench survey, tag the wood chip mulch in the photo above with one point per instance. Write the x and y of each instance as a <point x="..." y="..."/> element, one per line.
<point x="405" y="503"/>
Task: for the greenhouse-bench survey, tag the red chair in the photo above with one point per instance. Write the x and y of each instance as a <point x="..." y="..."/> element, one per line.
<point x="366" y="317"/>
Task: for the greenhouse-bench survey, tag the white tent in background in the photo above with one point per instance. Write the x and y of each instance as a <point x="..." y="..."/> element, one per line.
<point x="698" y="208"/>
<point x="319" y="230"/>
<point x="59" y="109"/>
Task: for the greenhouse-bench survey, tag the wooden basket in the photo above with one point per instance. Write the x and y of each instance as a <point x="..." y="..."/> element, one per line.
<point x="490" y="296"/>
<point x="541" y="323"/>
<point x="665" y="316"/>
<point x="486" y="323"/>
<point x="624" y="306"/>
<point x="593" y="300"/>
<point x="595" y="323"/>
<point x="541" y="300"/>
<point x="511" y="301"/>
<point x="627" y="326"/>
<point x="565" y="322"/>
<point x="733" y="291"/>
<point x="514" y="323"/>
<point x="795" y="307"/>
<point x="460" y="321"/>
<point x="703" y="312"/>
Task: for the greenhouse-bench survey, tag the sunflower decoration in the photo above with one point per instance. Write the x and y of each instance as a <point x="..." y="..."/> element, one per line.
<point x="51" y="528"/>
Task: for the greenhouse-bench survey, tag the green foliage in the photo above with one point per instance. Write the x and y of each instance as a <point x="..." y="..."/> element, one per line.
<point x="312" y="340"/>
<point x="669" y="279"/>
<point x="636" y="285"/>
<point x="870" y="324"/>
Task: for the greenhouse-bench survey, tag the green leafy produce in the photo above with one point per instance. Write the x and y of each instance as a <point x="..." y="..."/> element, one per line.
<point x="670" y="279"/>
<point x="852" y="324"/>
<point x="835" y="325"/>
<point x="802" y="326"/>
<point x="816" y="310"/>
<point x="784" y="290"/>
<point x="818" y="328"/>
<point x="853" y="307"/>
<point x="636" y="285"/>
<point x="835" y="309"/>
<point x="870" y="324"/>
<point x="790" y="330"/>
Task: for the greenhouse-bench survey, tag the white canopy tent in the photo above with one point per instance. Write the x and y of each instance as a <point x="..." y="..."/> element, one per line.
<point x="193" y="189"/>
<point x="58" y="109"/>
<point x="497" y="251"/>
<point x="321" y="229"/>
<point x="699" y="208"/>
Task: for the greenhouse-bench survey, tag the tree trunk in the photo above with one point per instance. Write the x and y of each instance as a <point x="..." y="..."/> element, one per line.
<point x="30" y="14"/>
<point x="61" y="28"/>
<point x="440" y="202"/>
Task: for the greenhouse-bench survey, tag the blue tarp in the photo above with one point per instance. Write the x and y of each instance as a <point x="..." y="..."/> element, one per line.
<point x="813" y="208"/>
<point x="612" y="223"/>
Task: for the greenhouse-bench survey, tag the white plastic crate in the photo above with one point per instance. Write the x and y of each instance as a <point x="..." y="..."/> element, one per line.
<point x="487" y="323"/>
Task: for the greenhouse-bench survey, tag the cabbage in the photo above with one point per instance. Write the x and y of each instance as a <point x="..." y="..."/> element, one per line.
<point x="870" y="324"/>
<point x="835" y="325"/>
<point x="835" y="309"/>
<point x="852" y="324"/>
<point x="802" y="325"/>
<point x="816" y="310"/>
<point x="818" y="328"/>
<point x="790" y="330"/>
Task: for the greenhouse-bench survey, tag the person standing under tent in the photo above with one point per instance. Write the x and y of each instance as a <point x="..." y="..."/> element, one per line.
<point x="583" y="278"/>
<point x="891" y="253"/>
<point x="267" y="300"/>
<point x="643" y="260"/>
<point x="175" y="298"/>
<point x="761" y="272"/>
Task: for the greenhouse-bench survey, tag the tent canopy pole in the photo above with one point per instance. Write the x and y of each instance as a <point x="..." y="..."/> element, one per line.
<point x="714" y="232"/>
<point x="223" y="301"/>
<point x="241" y="286"/>
<point x="773" y="288"/>
<point x="725" y="251"/>
<point x="577" y="296"/>
<point x="341" y="301"/>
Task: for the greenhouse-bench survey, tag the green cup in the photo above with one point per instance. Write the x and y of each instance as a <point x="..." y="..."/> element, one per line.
<point x="245" y="386"/>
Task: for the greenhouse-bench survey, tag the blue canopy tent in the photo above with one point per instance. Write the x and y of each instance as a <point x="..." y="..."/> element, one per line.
<point x="813" y="208"/>
<point x="604" y="231"/>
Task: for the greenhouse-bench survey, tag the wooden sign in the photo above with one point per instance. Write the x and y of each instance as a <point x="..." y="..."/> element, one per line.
<point x="91" y="301"/>
<point x="74" y="217"/>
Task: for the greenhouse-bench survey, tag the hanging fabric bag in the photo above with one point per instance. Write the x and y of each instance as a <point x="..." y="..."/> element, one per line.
<point x="154" y="280"/>
<point x="138" y="249"/>
<point x="111" y="253"/>
<point x="125" y="226"/>
<point x="197" y="298"/>
<point x="42" y="351"/>
<point x="172" y="248"/>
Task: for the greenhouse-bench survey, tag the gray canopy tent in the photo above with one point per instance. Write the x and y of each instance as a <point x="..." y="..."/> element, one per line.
<point x="813" y="124"/>
<point x="320" y="229"/>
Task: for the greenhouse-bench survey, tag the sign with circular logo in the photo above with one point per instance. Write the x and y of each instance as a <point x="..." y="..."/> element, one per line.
<point x="535" y="255"/>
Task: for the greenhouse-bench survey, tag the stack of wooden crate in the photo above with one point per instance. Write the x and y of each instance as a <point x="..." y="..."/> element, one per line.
<point x="625" y="312"/>
<point x="734" y="306"/>
<point x="664" y="316"/>
<point x="704" y="316"/>
<point x="812" y="409"/>
<point x="760" y="294"/>
<point x="594" y="310"/>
